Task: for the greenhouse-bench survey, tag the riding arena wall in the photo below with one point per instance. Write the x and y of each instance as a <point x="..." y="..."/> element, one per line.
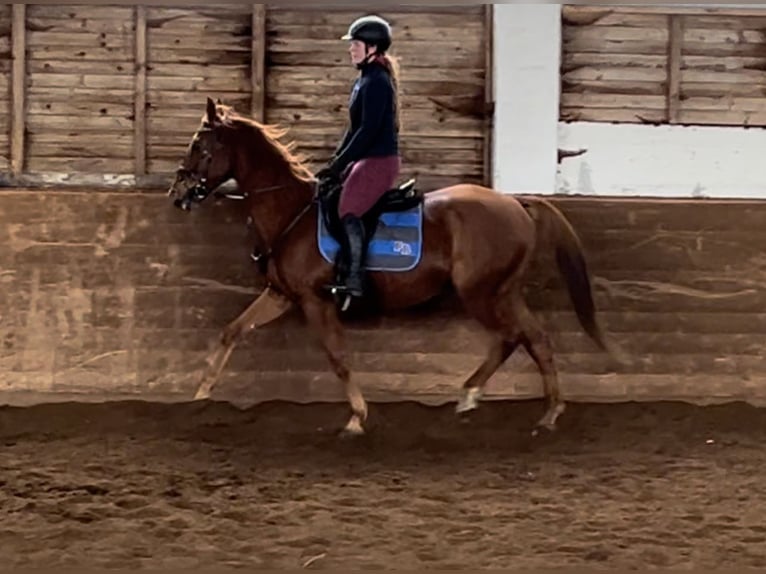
<point x="110" y="292"/>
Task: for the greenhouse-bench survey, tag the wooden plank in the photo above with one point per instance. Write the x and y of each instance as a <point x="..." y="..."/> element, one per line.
<point x="467" y="31"/>
<point x="400" y="19"/>
<point x="120" y="42"/>
<point x="90" y="165"/>
<point x="181" y="41"/>
<point x="612" y="87"/>
<point x="729" y="103"/>
<point x="258" y="62"/>
<point x="74" y="107"/>
<point x="75" y="12"/>
<point x="723" y="118"/>
<point x="663" y="9"/>
<point x="99" y="81"/>
<point x="66" y="148"/>
<point x="723" y="21"/>
<point x="182" y="56"/>
<point x="675" y="43"/>
<point x="718" y="89"/>
<point x="199" y="70"/>
<point x="68" y="67"/>
<point x="416" y="57"/>
<point x="750" y="77"/>
<point x="627" y="101"/>
<point x="616" y="115"/>
<point x="82" y="54"/>
<point x="236" y="83"/>
<point x="65" y="123"/>
<point x="18" y="81"/>
<point x="615" y="74"/>
<point x="81" y="95"/>
<point x="200" y="11"/>
<point x="139" y="127"/>
<point x="114" y="25"/>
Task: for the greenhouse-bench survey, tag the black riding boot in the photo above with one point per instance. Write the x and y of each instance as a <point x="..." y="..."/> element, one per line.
<point x="354" y="229"/>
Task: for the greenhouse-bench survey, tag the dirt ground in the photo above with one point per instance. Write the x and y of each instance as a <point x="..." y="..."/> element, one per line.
<point x="141" y="485"/>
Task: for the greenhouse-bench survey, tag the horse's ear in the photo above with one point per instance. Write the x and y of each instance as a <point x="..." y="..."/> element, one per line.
<point x="212" y="114"/>
<point x="219" y="101"/>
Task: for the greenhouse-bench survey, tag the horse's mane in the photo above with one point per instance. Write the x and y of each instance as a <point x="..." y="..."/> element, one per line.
<point x="273" y="135"/>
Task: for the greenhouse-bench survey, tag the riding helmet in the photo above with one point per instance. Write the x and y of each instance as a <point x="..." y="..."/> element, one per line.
<point x="370" y="30"/>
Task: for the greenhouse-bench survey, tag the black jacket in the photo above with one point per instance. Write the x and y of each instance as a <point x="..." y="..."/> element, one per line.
<point x="372" y="130"/>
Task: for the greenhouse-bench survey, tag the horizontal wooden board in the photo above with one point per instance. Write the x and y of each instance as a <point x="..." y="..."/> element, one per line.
<point x="82" y="23"/>
<point x="123" y="41"/>
<point x="81" y="53"/>
<point x="454" y="59"/>
<point x="626" y="101"/>
<point x="65" y="148"/>
<point x="51" y="122"/>
<point x="306" y="75"/>
<point x="103" y="82"/>
<point x="418" y="18"/>
<point x="79" y="11"/>
<point x="157" y="41"/>
<point x="176" y="70"/>
<point x="237" y="82"/>
<point x="615" y="115"/>
<point x="75" y="108"/>
<point x="723" y="117"/>
<point x="574" y="60"/>
<point x="467" y="31"/>
<point x="615" y="74"/>
<point x="59" y="67"/>
<point x="79" y="94"/>
<point x="78" y="164"/>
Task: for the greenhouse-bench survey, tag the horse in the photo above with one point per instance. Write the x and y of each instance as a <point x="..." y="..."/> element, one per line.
<point x="476" y="241"/>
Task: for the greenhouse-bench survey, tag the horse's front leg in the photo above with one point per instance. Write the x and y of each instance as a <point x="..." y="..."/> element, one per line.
<point x="322" y="316"/>
<point x="268" y="307"/>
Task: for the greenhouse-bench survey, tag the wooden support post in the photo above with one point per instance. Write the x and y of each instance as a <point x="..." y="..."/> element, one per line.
<point x="675" y="45"/>
<point x="18" y="82"/>
<point x="489" y="98"/>
<point x="139" y="112"/>
<point x="258" y="63"/>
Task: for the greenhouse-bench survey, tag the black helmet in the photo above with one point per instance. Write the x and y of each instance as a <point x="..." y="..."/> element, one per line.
<point x="370" y="30"/>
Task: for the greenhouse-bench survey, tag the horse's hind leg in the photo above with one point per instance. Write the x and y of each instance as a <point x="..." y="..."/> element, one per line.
<point x="266" y="308"/>
<point x="537" y="343"/>
<point x="499" y="351"/>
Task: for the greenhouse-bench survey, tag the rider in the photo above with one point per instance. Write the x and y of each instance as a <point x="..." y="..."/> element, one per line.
<point x="367" y="160"/>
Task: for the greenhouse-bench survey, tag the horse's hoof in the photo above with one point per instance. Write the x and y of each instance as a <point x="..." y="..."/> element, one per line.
<point x="352" y="429"/>
<point x="202" y="395"/>
<point x="548" y="428"/>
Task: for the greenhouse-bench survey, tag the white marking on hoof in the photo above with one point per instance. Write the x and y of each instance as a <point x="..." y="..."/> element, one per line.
<point x="470" y="400"/>
<point x="353" y="427"/>
<point x="202" y="394"/>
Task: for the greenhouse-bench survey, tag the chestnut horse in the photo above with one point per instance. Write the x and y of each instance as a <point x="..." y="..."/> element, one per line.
<point x="476" y="241"/>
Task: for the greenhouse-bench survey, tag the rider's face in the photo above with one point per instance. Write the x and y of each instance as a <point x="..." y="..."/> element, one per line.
<point x="359" y="51"/>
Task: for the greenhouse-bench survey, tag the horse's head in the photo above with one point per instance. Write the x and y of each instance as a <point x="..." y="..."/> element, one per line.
<point x="208" y="161"/>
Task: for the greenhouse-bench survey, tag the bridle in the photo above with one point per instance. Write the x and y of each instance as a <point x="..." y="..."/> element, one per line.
<point x="199" y="191"/>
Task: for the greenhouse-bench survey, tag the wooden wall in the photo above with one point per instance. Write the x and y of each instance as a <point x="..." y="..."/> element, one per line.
<point x="112" y="94"/>
<point x="634" y="64"/>
<point x="118" y="295"/>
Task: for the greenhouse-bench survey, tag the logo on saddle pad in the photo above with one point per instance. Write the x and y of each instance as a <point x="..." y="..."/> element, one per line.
<point x="396" y="245"/>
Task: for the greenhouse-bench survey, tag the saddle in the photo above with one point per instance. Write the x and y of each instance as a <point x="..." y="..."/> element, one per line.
<point x="403" y="197"/>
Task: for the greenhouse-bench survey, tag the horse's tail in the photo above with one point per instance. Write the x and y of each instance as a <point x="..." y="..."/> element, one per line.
<point x="552" y="224"/>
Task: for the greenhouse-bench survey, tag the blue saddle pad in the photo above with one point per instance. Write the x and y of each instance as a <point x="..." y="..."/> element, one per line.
<point x="396" y="246"/>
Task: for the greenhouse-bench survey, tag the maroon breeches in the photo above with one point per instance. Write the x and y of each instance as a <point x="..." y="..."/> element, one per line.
<point x="367" y="181"/>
